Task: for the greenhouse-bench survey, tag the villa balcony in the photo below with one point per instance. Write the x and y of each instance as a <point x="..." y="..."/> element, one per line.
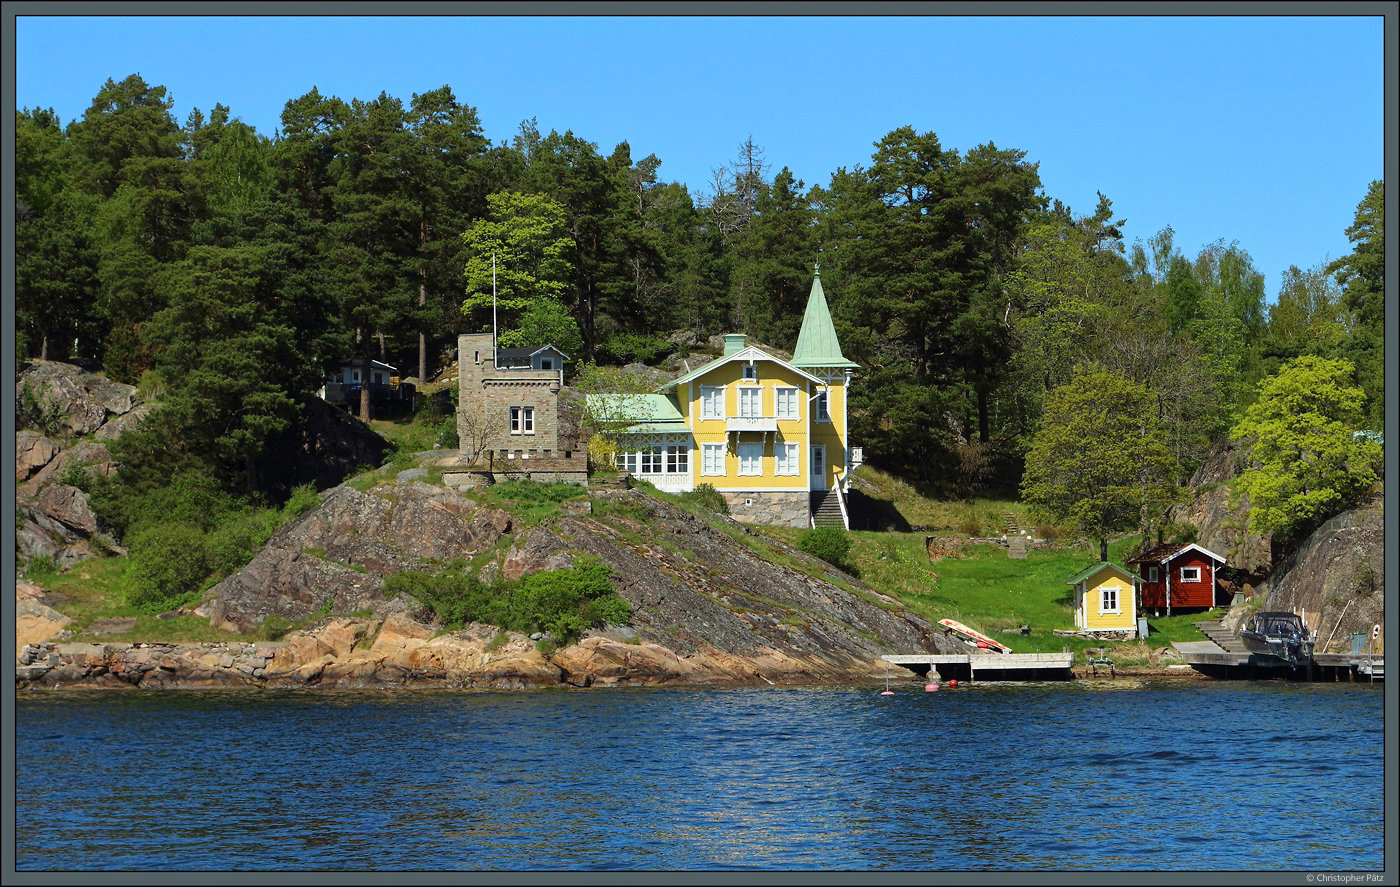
<point x="751" y="423"/>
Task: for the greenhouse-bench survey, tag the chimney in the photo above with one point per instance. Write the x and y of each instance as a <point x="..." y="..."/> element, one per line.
<point x="733" y="343"/>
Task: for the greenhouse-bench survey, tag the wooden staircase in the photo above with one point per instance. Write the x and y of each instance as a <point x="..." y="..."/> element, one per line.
<point x="826" y="510"/>
<point x="1221" y="636"/>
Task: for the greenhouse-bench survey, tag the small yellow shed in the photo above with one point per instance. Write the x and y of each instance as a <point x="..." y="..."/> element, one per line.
<point x="1105" y="599"/>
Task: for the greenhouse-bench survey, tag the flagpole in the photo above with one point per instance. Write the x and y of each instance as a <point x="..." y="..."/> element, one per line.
<point x="494" y="355"/>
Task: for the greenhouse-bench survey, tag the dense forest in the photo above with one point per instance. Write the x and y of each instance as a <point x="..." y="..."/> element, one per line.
<point x="235" y="267"/>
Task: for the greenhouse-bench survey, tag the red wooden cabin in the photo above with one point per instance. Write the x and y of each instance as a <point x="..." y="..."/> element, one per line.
<point x="1177" y="576"/>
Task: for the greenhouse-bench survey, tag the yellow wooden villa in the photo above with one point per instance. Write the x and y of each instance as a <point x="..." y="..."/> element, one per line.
<point x="770" y="435"/>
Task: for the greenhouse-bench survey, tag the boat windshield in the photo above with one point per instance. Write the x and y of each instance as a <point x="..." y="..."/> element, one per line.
<point x="1281" y="627"/>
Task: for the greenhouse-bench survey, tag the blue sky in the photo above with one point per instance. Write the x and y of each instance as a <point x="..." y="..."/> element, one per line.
<point x="1261" y="130"/>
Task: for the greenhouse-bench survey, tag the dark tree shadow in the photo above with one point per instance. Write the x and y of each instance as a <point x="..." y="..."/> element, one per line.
<point x="867" y="513"/>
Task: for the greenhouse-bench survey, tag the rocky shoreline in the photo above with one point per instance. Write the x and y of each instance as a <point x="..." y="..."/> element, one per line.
<point x="349" y="653"/>
<point x="355" y="653"/>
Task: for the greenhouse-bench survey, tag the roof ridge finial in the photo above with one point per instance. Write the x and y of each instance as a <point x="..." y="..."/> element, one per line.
<point x="817" y="268"/>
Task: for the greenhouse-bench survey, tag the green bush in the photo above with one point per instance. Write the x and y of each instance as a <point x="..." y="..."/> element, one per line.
<point x="36" y="411"/>
<point x="564" y="603"/>
<point x="447" y="434"/>
<point x="831" y="544"/>
<point x="75" y="476"/>
<point x="168" y="563"/>
<point x="706" y="496"/>
<point x="41" y="566"/>
<point x="303" y="499"/>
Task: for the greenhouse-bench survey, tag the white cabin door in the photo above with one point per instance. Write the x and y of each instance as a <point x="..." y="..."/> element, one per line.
<point x="818" y="479"/>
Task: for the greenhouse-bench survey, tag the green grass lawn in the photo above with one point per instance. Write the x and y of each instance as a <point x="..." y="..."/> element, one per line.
<point x="983" y="588"/>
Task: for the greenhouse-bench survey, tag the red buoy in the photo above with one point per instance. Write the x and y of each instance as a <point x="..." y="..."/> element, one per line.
<point x="953" y="683"/>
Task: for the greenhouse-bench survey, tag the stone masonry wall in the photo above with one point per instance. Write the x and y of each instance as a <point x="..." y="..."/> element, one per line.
<point x="780" y="509"/>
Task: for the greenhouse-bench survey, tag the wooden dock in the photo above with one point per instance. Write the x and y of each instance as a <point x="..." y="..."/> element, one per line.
<point x="989" y="666"/>
<point x="1213" y="660"/>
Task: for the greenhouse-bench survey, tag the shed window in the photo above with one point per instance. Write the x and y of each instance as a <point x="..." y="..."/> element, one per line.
<point x="1190" y="574"/>
<point x="1108" y="599"/>
<point x="1151" y="574"/>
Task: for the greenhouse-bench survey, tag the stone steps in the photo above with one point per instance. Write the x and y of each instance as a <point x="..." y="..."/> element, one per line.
<point x="1221" y="636"/>
<point x="1016" y="547"/>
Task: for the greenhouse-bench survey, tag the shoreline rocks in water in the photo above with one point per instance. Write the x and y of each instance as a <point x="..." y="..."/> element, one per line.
<point x="398" y="651"/>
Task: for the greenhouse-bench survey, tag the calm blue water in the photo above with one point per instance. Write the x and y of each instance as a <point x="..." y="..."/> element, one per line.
<point x="1164" y="775"/>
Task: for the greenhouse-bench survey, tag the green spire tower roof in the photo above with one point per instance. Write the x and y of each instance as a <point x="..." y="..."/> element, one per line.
<point x="816" y="342"/>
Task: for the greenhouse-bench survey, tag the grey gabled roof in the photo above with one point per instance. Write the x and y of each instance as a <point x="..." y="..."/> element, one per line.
<point x="513" y="356"/>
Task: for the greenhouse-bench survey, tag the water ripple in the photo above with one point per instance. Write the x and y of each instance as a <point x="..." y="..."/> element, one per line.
<point x="992" y="777"/>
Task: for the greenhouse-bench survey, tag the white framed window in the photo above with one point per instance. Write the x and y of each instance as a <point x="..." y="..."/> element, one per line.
<point x="711" y="402"/>
<point x="1108" y="599"/>
<point x="522" y="420"/>
<point x="786" y="402"/>
<point x="822" y="414"/>
<point x="712" y="459"/>
<point x="750" y="458"/>
<point x="1151" y="574"/>
<point x="546" y="363"/>
<point x="750" y="400"/>
<point x="677" y="459"/>
<point x="355" y="376"/>
<point x="750" y="371"/>
<point x="629" y="462"/>
<point x="786" y="457"/>
<point x="1190" y="574"/>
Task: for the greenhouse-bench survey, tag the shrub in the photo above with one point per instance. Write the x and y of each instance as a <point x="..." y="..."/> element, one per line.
<point x="36" y="410"/>
<point x="275" y="627"/>
<point x="41" y="566"/>
<point x="831" y="544"/>
<point x="564" y="603"/>
<point x="303" y="499"/>
<point x="706" y="496"/>
<point x="75" y="476"/>
<point x="168" y="563"/>
<point x="447" y="434"/>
